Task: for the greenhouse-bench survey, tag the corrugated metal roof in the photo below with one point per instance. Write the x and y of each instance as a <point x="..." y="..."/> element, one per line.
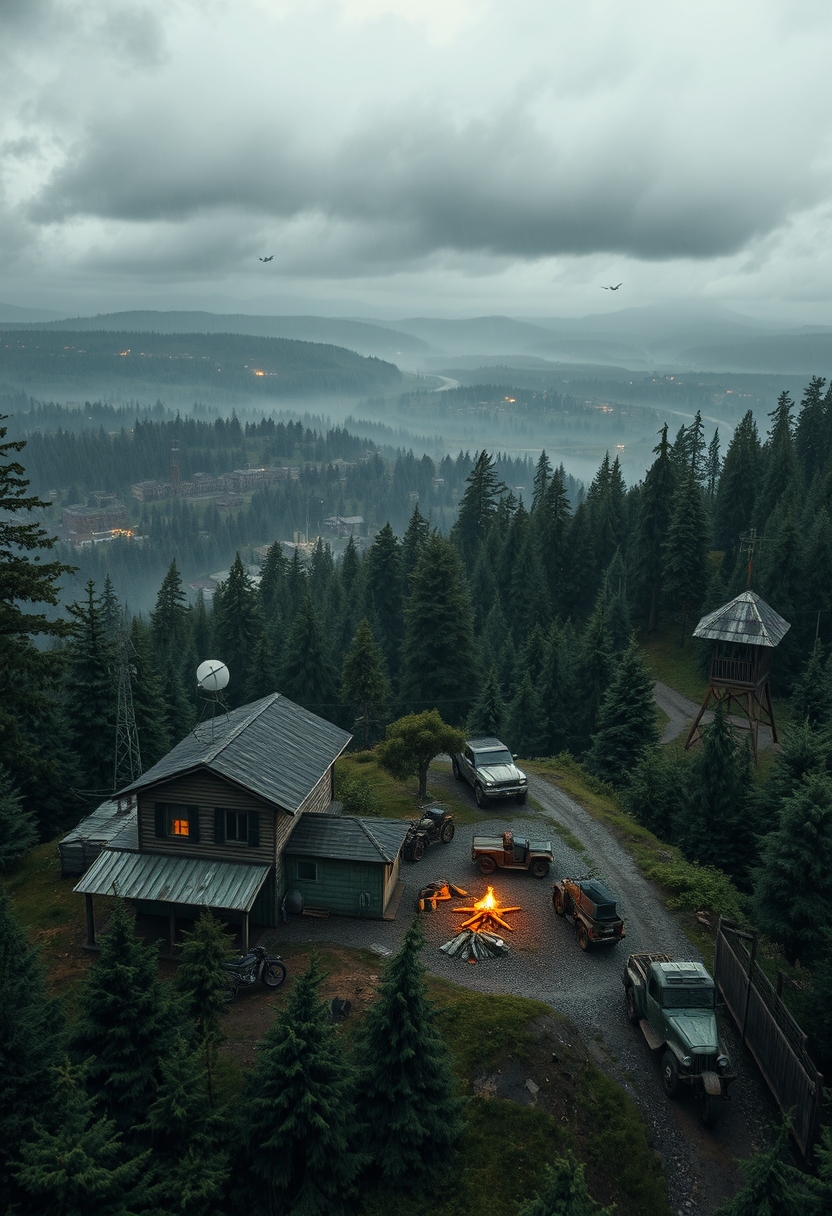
<point x="174" y="880"/>
<point x="347" y="838"/>
<point x="748" y="619"/>
<point x="274" y="748"/>
<point x="105" y="823"/>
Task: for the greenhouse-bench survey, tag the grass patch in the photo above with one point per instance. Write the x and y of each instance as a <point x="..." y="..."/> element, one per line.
<point x="484" y="1033"/>
<point x="373" y="793"/>
<point x="569" y="838"/>
<point x="673" y="664"/>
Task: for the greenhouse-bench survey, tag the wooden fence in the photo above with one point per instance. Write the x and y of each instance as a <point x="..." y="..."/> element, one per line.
<point x="770" y="1032"/>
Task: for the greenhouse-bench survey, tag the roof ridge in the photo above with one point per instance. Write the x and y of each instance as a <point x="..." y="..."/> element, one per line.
<point x="243" y="725"/>
<point x="372" y="839"/>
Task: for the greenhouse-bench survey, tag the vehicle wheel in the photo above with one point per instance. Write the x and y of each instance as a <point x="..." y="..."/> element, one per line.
<point x="479" y="795"/>
<point x="455" y="767"/>
<point x="583" y="938"/>
<point x="448" y="830"/>
<point x="557" y="901"/>
<point x="670" y="1074"/>
<point x="486" y="865"/>
<point x="630" y="1002"/>
<point x="521" y="798"/>
<point x="540" y="868"/>
<point x="274" y="974"/>
<point x="230" y="992"/>
<point x="710" y="1108"/>
<point x="418" y="848"/>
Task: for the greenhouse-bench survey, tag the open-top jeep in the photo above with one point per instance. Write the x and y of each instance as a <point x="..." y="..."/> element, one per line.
<point x="507" y="853"/>
<point x="675" y="1005"/>
<point x="590" y="907"/>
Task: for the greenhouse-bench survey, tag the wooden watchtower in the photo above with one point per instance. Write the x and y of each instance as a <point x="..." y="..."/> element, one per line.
<point x="743" y="634"/>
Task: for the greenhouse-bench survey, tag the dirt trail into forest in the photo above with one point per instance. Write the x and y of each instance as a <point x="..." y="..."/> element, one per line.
<point x="546" y="964"/>
<point x="681" y="712"/>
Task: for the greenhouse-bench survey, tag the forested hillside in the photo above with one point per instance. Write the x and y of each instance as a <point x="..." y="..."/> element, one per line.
<point x="234" y="363"/>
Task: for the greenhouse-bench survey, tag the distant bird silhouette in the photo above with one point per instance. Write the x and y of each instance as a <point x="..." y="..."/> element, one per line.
<point x="270" y="259"/>
<point x="603" y="288"/>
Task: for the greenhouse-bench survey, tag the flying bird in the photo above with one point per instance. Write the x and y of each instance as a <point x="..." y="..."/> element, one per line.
<point x="269" y="259"/>
<point x="604" y="288"/>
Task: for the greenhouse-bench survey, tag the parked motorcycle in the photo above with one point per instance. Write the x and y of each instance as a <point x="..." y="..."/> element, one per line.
<point x="254" y="966"/>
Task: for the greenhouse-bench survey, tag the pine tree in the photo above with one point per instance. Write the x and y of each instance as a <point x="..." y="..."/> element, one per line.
<point x="407" y="1107"/>
<point x="308" y="675"/>
<point x="30" y="1028"/>
<point x="713" y="465"/>
<point x="18" y="830"/>
<point x="805" y="750"/>
<point x="189" y="1165"/>
<point x="238" y="624"/>
<point x="90" y="695"/>
<point x="797" y="855"/>
<point x="739" y="484"/>
<point x="383" y="593"/>
<point x="417" y="533"/>
<point x="81" y="1168"/>
<point x="653" y="794"/>
<point x="525" y="720"/>
<point x="812" y="691"/>
<point x="126" y="1023"/>
<point x="411" y="742"/>
<point x="564" y="1192"/>
<point x="650" y="532"/>
<point x="686" y="552"/>
<point x="203" y="985"/>
<point x="809" y="430"/>
<point x="779" y="462"/>
<point x="364" y="684"/>
<point x="552" y="520"/>
<point x="626" y="719"/>
<point x="772" y="1187"/>
<point x="595" y="664"/>
<point x="488" y="715"/>
<point x="170" y="616"/>
<point x="297" y="1130"/>
<point x="714" y="832"/>
<point x="350" y="567"/>
<point x="30" y="675"/>
<point x="438" y="656"/>
<point x="542" y="477"/>
<point x="477" y="507"/>
<point x="272" y="587"/>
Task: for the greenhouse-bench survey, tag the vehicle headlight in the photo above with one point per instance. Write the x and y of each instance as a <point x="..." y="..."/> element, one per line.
<point x="687" y="1061"/>
<point x="523" y="780"/>
<point x="722" y="1062"/>
<point x="487" y="782"/>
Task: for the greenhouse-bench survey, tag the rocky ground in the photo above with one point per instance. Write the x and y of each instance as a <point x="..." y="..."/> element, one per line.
<point x="545" y="963"/>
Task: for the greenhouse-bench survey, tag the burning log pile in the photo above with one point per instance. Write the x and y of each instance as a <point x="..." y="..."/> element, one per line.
<point x="476" y="938"/>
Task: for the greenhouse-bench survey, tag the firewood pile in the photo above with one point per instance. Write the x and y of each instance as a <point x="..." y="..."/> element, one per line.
<point x="436" y="892"/>
<point x="475" y="945"/>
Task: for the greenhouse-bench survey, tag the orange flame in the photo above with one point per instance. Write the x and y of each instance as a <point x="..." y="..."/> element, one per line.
<point x="488" y="900"/>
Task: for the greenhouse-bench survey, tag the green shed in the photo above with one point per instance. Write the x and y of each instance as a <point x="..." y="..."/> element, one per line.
<point x="346" y="865"/>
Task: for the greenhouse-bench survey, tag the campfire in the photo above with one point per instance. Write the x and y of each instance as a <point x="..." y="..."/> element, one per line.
<point x="476" y="938"/>
<point x="487" y="914"/>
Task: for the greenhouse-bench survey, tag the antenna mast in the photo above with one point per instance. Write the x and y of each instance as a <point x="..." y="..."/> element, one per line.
<point x="127" y="765"/>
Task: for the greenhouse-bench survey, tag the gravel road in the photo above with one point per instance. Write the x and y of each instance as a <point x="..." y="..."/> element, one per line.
<point x="546" y="964"/>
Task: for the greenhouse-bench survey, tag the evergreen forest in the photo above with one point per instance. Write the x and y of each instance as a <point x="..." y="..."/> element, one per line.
<point x="525" y="615"/>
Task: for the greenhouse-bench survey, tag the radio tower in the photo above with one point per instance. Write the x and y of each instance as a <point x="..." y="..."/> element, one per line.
<point x="175" y="477"/>
<point x="127" y="765"/>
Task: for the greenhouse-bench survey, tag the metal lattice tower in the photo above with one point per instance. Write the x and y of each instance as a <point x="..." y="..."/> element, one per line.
<point x="127" y="765"/>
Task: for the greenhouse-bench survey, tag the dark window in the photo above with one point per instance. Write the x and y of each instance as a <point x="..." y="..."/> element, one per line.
<point x="308" y="870"/>
<point x="236" y="826"/>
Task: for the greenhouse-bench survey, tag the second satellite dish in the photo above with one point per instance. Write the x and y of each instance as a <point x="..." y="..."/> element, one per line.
<point x="212" y="675"/>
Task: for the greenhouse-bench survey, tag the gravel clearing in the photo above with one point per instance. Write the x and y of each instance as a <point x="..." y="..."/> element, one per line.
<point x="546" y="964"/>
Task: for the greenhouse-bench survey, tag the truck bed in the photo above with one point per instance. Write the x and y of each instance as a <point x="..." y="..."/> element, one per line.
<point x="641" y="961"/>
<point x="495" y="844"/>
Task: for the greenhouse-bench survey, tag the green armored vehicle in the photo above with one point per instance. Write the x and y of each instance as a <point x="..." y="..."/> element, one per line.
<point x="674" y="1003"/>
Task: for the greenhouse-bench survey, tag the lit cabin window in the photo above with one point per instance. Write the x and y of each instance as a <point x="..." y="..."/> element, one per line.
<point x="179" y="827"/>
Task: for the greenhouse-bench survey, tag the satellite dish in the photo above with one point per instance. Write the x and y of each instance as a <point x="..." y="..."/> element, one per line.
<point x="212" y="675"/>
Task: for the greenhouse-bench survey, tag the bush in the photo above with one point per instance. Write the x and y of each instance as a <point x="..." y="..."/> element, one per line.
<point x="696" y="888"/>
<point x="357" y="795"/>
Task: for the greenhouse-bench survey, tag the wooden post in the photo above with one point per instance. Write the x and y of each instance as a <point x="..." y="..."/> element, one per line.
<point x="90" y="921"/>
<point x="751" y="961"/>
<point x="245" y="933"/>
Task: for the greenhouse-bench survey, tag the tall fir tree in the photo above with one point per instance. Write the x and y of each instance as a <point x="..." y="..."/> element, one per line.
<point x="407" y="1105"/>
<point x="297" y="1153"/>
<point x="686" y="553"/>
<point x="714" y="831"/>
<point x="438" y="655"/>
<point x="488" y="714"/>
<point x="383" y="593"/>
<point x="126" y="1024"/>
<point x="81" y="1167"/>
<point x="203" y="985"/>
<point x="272" y="587"/>
<point x="739" y="484"/>
<point x="18" y="827"/>
<point x="779" y="463"/>
<point x="525" y="719"/>
<point x="477" y="507"/>
<point x="773" y="1187"/>
<point x="364" y="684"/>
<point x="812" y="691"/>
<point x="808" y="441"/>
<point x="169" y="618"/>
<point x="149" y="705"/>
<point x="30" y="1040"/>
<point x="626" y="719"/>
<point x="90" y="695"/>
<point x="713" y="466"/>
<point x="416" y="534"/>
<point x="797" y="855"/>
<point x="308" y="674"/>
<point x="654" y="792"/>
<point x="650" y="532"/>
<point x="238" y="625"/>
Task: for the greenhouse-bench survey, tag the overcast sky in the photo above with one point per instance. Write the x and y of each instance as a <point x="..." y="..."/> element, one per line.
<point x="402" y="157"/>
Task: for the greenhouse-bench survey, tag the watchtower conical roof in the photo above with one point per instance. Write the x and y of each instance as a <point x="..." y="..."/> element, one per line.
<point x="747" y="619"/>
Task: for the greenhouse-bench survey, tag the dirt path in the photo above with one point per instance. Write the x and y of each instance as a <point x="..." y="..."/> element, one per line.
<point x="546" y="964"/>
<point x="681" y="712"/>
